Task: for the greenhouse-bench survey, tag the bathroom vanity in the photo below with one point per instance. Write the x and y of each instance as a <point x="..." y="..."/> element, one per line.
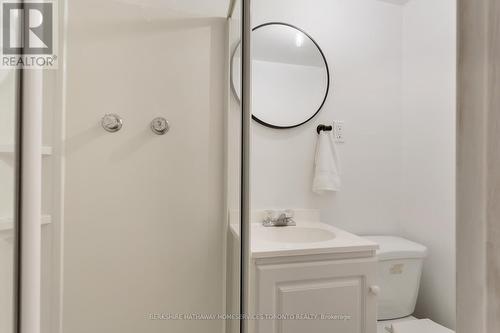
<point x="311" y="277"/>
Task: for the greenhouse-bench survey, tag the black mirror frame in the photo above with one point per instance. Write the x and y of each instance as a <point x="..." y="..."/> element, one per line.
<point x="327" y="77"/>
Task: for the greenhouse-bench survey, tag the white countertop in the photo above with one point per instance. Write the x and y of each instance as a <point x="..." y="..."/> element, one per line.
<point x="326" y="239"/>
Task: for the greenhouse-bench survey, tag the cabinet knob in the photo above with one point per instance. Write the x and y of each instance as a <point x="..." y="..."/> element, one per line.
<point x="375" y="290"/>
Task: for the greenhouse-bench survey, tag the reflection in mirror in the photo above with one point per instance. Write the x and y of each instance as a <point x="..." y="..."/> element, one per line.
<point x="290" y="75"/>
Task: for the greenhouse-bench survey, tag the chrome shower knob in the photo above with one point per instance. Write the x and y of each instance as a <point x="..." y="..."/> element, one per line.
<point x="160" y="125"/>
<point x="112" y="122"/>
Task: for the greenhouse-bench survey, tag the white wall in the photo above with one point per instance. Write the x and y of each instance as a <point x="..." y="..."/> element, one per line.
<point x="362" y="42"/>
<point x="429" y="90"/>
<point x="143" y="223"/>
<point x="393" y="76"/>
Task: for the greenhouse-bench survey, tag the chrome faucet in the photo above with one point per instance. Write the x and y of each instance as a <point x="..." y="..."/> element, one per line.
<point x="284" y="219"/>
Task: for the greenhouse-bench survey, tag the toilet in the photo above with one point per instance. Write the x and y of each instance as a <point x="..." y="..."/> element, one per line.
<point x="399" y="271"/>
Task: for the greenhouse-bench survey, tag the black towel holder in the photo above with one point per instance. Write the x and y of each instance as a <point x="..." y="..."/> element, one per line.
<point x="324" y="128"/>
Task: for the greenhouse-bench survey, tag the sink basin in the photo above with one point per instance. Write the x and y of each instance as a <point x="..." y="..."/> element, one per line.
<point x="295" y="235"/>
<point x="306" y="238"/>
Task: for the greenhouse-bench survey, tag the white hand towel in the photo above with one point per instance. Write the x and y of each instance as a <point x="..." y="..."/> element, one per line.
<point x="326" y="165"/>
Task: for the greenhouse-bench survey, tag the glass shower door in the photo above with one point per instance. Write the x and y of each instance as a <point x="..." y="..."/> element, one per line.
<point x="129" y="225"/>
<point x="139" y="229"/>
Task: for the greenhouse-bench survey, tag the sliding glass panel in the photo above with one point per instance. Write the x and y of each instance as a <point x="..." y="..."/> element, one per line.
<point x="8" y="165"/>
<point x="136" y="183"/>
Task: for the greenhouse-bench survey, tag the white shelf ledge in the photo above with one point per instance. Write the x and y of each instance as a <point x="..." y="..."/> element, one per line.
<point x="6" y="223"/>
<point x="9" y="149"/>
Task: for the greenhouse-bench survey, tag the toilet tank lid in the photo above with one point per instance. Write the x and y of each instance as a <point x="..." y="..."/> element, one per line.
<point x="392" y="247"/>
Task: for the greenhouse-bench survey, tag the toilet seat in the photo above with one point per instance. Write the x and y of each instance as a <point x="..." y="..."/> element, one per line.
<point x="411" y="325"/>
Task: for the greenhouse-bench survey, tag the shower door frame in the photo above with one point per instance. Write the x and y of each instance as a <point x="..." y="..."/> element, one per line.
<point x="246" y="93"/>
<point x="27" y="303"/>
<point x="16" y="218"/>
<point x="478" y="159"/>
<point x="26" y="300"/>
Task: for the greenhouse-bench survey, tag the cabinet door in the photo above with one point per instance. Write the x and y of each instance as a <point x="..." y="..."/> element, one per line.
<point x="316" y="297"/>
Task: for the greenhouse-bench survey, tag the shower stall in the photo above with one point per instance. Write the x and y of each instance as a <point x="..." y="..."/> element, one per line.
<point x="120" y="169"/>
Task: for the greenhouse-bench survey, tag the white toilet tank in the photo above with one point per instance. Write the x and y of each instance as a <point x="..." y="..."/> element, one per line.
<point x="399" y="271"/>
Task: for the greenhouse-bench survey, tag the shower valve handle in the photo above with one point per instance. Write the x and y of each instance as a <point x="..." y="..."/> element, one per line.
<point x="112" y="122"/>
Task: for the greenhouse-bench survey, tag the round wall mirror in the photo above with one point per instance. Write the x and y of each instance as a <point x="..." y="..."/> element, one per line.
<point x="290" y="75"/>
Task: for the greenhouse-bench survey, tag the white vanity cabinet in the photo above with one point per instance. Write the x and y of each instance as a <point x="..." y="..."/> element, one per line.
<point x="315" y="294"/>
<point x="309" y="278"/>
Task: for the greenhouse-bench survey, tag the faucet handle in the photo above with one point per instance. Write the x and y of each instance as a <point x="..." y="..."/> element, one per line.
<point x="278" y="218"/>
<point x="268" y="217"/>
<point x="268" y="214"/>
<point x="282" y="217"/>
<point x="279" y="214"/>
